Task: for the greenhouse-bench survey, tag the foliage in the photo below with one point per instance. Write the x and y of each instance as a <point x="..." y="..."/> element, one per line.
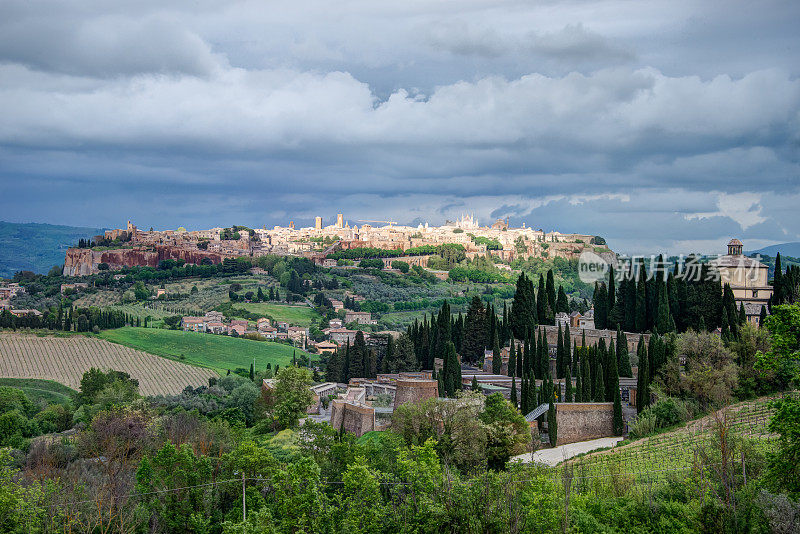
<point x="783" y="358"/>
<point x="784" y="464"/>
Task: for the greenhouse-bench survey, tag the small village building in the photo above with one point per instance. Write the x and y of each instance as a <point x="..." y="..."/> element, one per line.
<point x="341" y="336"/>
<point x="193" y="324"/>
<point x="326" y="347"/>
<point x="359" y="317"/>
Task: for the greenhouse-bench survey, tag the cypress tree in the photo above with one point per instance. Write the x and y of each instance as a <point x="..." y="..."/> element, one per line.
<point x="552" y="424"/>
<point x="612" y="299"/>
<point x="567" y="345"/>
<point x="641" y="303"/>
<point x="475" y="386"/>
<point x="562" y="303"/>
<point x="600" y="305"/>
<point x="623" y="358"/>
<point x="441" y="385"/>
<point x="586" y="395"/>
<point x="551" y="294"/>
<point x="726" y="334"/>
<point x="541" y="302"/>
<point x="520" y="358"/>
<point x="559" y="355"/>
<point x="742" y="314"/>
<point x="252" y="373"/>
<point x="345" y="377"/>
<point x="512" y="359"/>
<point x="568" y="386"/>
<point x="578" y="382"/>
<point x="523" y="396"/>
<point x="514" y="392"/>
<point x="600" y="388"/>
<point x="532" y="394"/>
<point x="497" y="359"/>
<point x="642" y="379"/>
<point x="618" y="424"/>
<point x="762" y="315"/>
<point x="777" y="281"/>
<point x="664" y="322"/>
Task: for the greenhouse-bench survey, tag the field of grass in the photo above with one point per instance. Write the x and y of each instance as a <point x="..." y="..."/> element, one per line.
<point x="295" y="315"/>
<point x="48" y="391"/>
<point x="64" y="359"/>
<point x="207" y="350"/>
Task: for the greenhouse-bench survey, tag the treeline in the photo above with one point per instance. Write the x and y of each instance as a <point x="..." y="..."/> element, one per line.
<point x="688" y="296"/>
<point x="786" y="285"/>
<point x="70" y="319"/>
<point x="358" y="253"/>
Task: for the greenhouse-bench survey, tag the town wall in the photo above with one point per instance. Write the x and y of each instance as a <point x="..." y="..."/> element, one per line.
<point x="414" y="390"/>
<point x="354" y="418"/>
<point x="580" y="421"/>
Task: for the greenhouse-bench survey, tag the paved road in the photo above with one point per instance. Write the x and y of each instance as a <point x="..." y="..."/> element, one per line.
<point x="555" y="455"/>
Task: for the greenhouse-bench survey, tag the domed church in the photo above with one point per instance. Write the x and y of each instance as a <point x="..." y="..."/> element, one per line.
<point x="747" y="277"/>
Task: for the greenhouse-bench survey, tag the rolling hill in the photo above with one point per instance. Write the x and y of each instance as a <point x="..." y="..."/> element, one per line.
<point x="36" y="247"/>
<point x="786" y="249"/>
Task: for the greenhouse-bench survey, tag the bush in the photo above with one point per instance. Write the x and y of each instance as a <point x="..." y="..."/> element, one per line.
<point x="669" y="412"/>
<point x="400" y="266"/>
<point x="371" y="263"/>
<point x="644" y="425"/>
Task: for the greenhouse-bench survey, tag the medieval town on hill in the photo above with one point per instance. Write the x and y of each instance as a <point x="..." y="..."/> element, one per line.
<point x="487" y="347"/>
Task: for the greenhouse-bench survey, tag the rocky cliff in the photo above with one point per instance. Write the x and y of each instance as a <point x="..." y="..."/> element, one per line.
<point x="84" y="261"/>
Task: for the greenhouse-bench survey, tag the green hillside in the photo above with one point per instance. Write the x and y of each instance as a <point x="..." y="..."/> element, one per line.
<point x="294" y="315"/>
<point x="36" y="389"/>
<point x="36" y="247"/>
<point x="217" y="352"/>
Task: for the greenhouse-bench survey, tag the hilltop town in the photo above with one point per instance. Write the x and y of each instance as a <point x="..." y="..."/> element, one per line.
<point x="130" y="246"/>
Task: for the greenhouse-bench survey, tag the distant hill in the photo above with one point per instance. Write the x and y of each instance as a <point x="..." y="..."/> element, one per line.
<point x="36" y="247"/>
<point x="786" y="249"/>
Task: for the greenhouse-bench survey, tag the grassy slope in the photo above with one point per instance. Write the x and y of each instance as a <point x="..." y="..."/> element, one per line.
<point x="295" y="315"/>
<point x="36" y="389"/>
<point x="658" y="457"/>
<point x="207" y="350"/>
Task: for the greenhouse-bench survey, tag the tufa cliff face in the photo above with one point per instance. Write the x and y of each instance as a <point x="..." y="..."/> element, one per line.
<point x="84" y="261"/>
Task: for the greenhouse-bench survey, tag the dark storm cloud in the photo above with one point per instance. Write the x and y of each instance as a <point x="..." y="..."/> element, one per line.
<point x="603" y="117"/>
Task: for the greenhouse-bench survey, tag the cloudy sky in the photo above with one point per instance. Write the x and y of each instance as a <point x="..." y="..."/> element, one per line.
<point x="663" y="126"/>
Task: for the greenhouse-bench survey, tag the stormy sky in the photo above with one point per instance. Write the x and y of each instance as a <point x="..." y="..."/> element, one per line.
<point x="663" y="126"/>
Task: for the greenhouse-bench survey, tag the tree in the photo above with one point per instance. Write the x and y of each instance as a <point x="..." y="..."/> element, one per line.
<point x="618" y="423"/>
<point x="552" y="423"/>
<point x="451" y="370"/>
<point x="475" y="386"/>
<point x="710" y="374"/>
<point x="497" y="359"/>
<point x="358" y="358"/>
<point x="578" y="382"/>
<point x="292" y="395"/>
<point x="623" y="358"/>
<point x="642" y="380"/>
<point x="641" y="302"/>
<point x="783" y="358"/>
<point x="514" y="392"/>
<point x="474" y="341"/>
<point x="600" y="299"/>
<point x="512" y="359"/>
<point x="783" y="464"/>
<point x="568" y="386"/>
<point x="551" y="295"/>
<point x="562" y="304"/>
